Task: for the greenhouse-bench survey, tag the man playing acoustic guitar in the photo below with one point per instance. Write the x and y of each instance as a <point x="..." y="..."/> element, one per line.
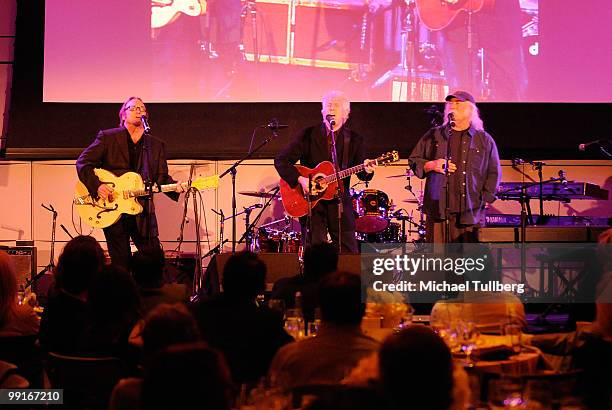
<point x="312" y="146"/>
<point x="120" y="150"/>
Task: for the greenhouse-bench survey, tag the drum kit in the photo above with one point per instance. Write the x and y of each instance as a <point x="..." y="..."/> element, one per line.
<point x="377" y="220"/>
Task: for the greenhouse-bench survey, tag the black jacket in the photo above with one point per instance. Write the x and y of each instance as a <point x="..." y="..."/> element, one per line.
<point x="483" y="173"/>
<point x="110" y="152"/>
<point x="310" y="147"/>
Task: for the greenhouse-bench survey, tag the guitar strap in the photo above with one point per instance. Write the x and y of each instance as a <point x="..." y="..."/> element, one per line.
<point x="345" y="149"/>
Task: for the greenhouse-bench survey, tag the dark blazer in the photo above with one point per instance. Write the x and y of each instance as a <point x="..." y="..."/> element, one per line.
<point x="310" y="147"/>
<point x="110" y="152"/>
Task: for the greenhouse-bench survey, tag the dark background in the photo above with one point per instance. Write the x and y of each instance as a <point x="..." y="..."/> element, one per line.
<point x="223" y="130"/>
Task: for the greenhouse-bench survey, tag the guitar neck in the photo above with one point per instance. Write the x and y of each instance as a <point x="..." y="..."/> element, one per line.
<point x="344" y="173"/>
<point x="159" y="188"/>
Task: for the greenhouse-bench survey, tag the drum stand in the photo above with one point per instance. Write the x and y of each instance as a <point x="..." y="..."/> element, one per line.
<point x="250" y="225"/>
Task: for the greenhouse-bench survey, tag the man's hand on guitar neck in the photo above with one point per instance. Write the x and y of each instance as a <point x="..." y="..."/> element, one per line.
<point x="369" y="165"/>
<point x="105" y="192"/>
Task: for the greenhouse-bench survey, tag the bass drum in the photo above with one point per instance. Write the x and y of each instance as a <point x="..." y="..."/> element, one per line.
<point x="393" y="234"/>
<point x="372" y="209"/>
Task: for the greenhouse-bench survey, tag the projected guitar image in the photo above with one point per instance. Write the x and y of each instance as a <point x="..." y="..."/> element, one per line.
<point x="165" y="12"/>
<point x="100" y="213"/>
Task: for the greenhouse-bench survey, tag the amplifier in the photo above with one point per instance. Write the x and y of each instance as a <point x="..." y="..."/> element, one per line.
<point x="330" y="33"/>
<point x="24" y="258"/>
<point x="273" y="22"/>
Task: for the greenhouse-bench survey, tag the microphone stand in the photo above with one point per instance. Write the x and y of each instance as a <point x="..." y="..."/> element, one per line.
<point x="332" y="123"/>
<point x="233" y="169"/>
<point x="449" y="133"/>
<point x="51" y="266"/>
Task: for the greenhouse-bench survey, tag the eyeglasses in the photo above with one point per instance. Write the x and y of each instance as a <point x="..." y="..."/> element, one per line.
<point x="137" y="109"/>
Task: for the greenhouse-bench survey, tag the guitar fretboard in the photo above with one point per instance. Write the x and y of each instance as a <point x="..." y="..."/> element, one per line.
<point x="344" y="173"/>
<point x="142" y="192"/>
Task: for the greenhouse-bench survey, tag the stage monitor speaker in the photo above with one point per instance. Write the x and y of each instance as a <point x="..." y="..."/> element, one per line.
<point x="24" y="259"/>
<point x="278" y="265"/>
<point x="180" y="269"/>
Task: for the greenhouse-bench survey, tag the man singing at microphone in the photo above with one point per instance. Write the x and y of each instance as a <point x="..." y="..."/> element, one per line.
<point x="120" y="150"/>
<point x="314" y="145"/>
<point x="474" y="171"/>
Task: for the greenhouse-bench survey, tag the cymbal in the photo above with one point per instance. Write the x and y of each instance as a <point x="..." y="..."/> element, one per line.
<point x="411" y="201"/>
<point x="258" y="194"/>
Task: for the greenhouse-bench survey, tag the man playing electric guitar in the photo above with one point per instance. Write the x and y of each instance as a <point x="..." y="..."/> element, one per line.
<point x="120" y="150"/>
<point x="312" y="146"/>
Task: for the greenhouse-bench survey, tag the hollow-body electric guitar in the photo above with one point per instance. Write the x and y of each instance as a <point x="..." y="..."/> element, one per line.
<point x="100" y="213"/>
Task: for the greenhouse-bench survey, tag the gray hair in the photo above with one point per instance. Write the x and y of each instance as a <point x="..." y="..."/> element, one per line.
<point x="475" y="120"/>
<point x="336" y="95"/>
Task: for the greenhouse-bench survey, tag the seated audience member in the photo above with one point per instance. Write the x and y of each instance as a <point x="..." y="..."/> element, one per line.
<point x="164" y="326"/>
<point x="16" y="318"/>
<point x="231" y="322"/>
<point x="19" y="326"/>
<point x="589" y="349"/>
<point x="416" y="371"/>
<point x="148" y="271"/>
<point x="113" y="308"/>
<point x="319" y="261"/>
<point x="65" y="315"/>
<point x="339" y="344"/>
<point x="184" y="375"/>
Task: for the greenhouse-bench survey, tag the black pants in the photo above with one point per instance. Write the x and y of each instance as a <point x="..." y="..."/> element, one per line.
<point x="325" y="219"/>
<point x="118" y="240"/>
<point x="436" y="231"/>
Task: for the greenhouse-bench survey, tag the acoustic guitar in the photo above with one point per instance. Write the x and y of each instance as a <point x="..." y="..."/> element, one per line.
<point x="438" y="14"/>
<point x="323" y="184"/>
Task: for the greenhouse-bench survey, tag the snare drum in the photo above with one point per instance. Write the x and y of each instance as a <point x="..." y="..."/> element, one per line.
<point x="372" y="208"/>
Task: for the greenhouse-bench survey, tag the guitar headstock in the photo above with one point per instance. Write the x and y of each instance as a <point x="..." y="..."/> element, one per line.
<point x="388" y="158"/>
<point x="203" y="183"/>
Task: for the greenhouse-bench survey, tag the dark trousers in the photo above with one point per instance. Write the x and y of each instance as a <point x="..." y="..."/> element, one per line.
<point x="436" y="231"/>
<point x="118" y="240"/>
<point x="325" y="219"/>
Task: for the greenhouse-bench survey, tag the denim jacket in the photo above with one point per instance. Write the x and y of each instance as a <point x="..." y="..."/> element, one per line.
<point x="483" y="173"/>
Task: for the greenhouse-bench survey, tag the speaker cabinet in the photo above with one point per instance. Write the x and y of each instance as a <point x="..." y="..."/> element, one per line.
<point x="272" y="18"/>
<point x="24" y="259"/>
<point x="331" y="34"/>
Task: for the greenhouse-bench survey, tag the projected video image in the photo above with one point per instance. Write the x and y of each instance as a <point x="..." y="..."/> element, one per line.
<point x="378" y="50"/>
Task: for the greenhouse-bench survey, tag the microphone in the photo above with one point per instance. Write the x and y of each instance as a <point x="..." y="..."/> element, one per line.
<point x="451" y="119"/>
<point x="562" y="178"/>
<point x="250" y="208"/>
<point x="145" y="124"/>
<point x="274" y="125"/>
<point x="330" y="119"/>
<point x="584" y="146"/>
